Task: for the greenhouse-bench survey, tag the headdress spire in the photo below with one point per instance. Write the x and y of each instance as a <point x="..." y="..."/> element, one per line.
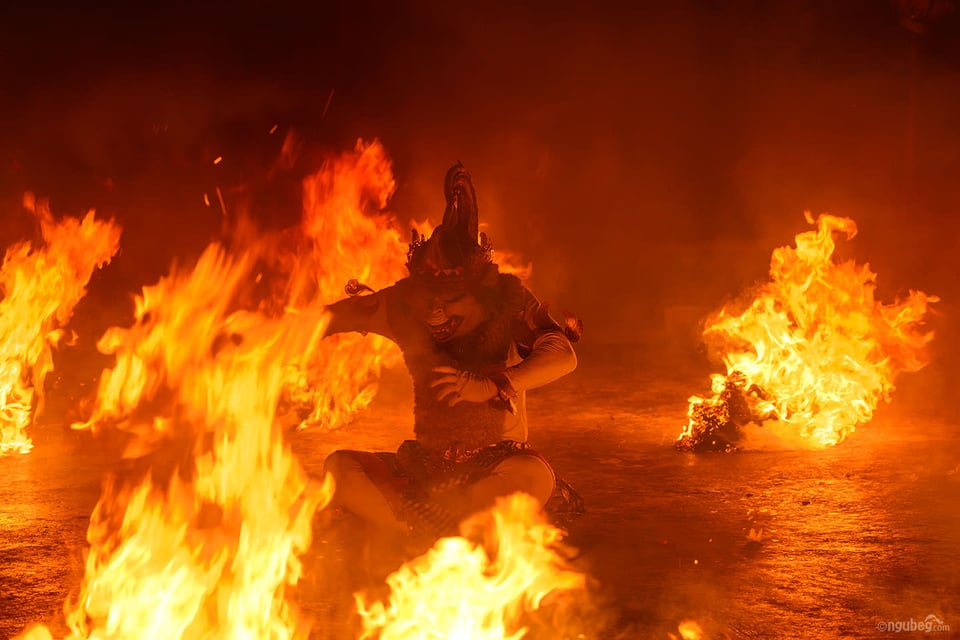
<point x="456" y="249"/>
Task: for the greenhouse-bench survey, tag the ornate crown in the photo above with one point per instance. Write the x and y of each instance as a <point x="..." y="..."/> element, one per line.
<point x="455" y="249"/>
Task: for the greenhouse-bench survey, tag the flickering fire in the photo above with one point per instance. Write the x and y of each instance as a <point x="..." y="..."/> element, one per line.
<point x="209" y="547"/>
<point x="479" y="586"/>
<point x="40" y="286"/>
<point x="346" y="234"/>
<point x="212" y="549"/>
<point x="813" y="353"/>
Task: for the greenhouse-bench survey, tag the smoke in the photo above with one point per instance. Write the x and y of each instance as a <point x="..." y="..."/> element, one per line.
<point x="645" y="159"/>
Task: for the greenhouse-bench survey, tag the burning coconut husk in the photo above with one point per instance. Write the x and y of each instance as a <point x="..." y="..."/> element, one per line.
<point x="716" y="423"/>
<point x="811" y="354"/>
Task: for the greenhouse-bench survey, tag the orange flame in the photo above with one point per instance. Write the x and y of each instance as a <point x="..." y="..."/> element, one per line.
<point x="214" y="553"/>
<point x="211" y="549"/>
<point x="461" y="589"/>
<point x="40" y="288"/>
<point x="347" y="235"/>
<point x="816" y="349"/>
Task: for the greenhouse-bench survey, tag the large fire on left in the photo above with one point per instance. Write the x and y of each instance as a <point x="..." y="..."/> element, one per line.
<point x="210" y="548"/>
<point x="204" y="538"/>
<point x="40" y="286"/>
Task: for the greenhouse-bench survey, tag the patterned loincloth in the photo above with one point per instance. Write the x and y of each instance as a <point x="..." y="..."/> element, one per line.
<point x="426" y="488"/>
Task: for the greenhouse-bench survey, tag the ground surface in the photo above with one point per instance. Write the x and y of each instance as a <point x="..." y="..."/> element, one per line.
<point x="851" y="537"/>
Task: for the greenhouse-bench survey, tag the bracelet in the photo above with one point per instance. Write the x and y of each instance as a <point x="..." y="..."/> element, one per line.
<point x="505" y="390"/>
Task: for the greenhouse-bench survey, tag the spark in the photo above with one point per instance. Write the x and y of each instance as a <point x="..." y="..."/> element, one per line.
<point x="327" y="105"/>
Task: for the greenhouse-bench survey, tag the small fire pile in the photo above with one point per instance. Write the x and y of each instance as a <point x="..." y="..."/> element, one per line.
<point x="40" y="286"/>
<point x="811" y="354"/>
<point x="483" y="590"/>
<point x="210" y="548"/>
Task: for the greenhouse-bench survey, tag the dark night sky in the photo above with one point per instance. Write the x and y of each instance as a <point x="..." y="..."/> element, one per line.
<point x="646" y="156"/>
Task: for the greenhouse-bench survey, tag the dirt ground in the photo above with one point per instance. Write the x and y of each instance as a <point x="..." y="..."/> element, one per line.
<point x="845" y="539"/>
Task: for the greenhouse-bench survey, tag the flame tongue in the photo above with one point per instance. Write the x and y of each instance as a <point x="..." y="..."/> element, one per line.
<point x="212" y="554"/>
<point x="40" y="288"/>
<point x="345" y="235"/>
<point x="462" y="589"/>
<point x="814" y="349"/>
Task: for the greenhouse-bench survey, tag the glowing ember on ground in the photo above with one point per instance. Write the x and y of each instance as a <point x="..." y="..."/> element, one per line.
<point x="689" y="630"/>
<point x="476" y="590"/>
<point x="40" y="287"/>
<point x="211" y="550"/>
<point x="812" y="354"/>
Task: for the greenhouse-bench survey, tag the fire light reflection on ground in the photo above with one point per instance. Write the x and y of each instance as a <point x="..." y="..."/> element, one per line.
<point x="844" y="539"/>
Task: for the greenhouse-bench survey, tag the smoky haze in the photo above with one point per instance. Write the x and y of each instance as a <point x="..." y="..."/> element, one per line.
<point x="646" y="159"/>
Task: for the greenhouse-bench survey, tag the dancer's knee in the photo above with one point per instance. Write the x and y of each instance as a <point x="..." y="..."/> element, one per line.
<point x="356" y="491"/>
<point x="335" y="462"/>
<point x="530" y="474"/>
<point x="343" y="466"/>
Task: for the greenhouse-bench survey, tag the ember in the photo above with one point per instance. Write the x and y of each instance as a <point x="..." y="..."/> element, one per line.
<point x="811" y="354"/>
<point x="689" y="630"/>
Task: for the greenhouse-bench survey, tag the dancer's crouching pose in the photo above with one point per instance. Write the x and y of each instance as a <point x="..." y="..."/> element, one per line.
<point x="474" y="340"/>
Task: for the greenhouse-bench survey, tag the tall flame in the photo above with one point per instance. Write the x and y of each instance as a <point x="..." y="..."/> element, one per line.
<point x="212" y="551"/>
<point x="814" y="351"/>
<point x="477" y="591"/>
<point x="40" y="288"/>
<point x="346" y="235"/>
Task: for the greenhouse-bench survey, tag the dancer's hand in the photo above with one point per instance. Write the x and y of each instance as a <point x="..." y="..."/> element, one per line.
<point x="455" y="386"/>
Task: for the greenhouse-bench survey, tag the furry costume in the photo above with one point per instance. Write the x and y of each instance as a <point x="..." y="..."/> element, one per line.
<point x="516" y="346"/>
